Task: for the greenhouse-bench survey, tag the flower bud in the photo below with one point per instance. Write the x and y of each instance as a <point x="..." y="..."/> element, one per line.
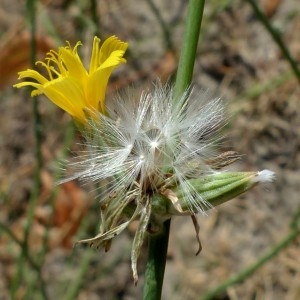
<point x="215" y="189"/>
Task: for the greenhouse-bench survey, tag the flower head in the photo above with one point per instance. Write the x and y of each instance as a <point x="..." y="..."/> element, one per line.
<point x="69" y="84"/>
<point x="155" y="158"/>
<point x="153" y="144"/>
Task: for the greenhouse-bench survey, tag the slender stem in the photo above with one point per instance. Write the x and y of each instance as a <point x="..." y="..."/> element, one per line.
<point x="189" y="47"/>
<point x="158" y="244"/>
<point x="165" y="28"/>
<point x="11" y="234"/>
<point x="95" y="16"/>
<point x="37" y="123"/>
<point x="31" y="18"/>
<point x="276" y="37"/>
<point x="252" y="268"/>
<point x="74" y="288"/>
<point x="37" y="126"/>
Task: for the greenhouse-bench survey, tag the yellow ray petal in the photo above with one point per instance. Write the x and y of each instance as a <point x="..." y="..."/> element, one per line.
<point x="73" y="63"/>
<point x="70" y="86"/>
<point x="109" y="46"/>
<point x="31" y="74"/>
<point x="96" y="89"/>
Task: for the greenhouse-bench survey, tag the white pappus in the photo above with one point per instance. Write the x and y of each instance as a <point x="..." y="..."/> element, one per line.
<point x="152" y="143"/>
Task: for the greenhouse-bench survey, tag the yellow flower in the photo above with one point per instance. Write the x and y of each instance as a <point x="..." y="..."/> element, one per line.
<point x="70" y="85"/>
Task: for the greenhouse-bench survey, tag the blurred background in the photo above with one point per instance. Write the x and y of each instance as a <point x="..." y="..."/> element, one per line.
<point x="254" y="238"/>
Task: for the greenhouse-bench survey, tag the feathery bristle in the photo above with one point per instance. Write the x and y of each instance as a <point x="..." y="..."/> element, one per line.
<point x="144" y="142"/>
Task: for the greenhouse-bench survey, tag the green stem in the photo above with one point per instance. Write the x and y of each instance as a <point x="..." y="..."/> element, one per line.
<point x="95" y="16"/>
<point x="252" y="268"/>
<point x="189" y="47"/>
<point x="77" y="282"/>
<point x="165" y="28"/>
<point x="13" y="237"/>
<point x="276" y="37"/>
<point x="158" y="244"/>
<point x="155" y="269"/>
<point x="37" y="123"/>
